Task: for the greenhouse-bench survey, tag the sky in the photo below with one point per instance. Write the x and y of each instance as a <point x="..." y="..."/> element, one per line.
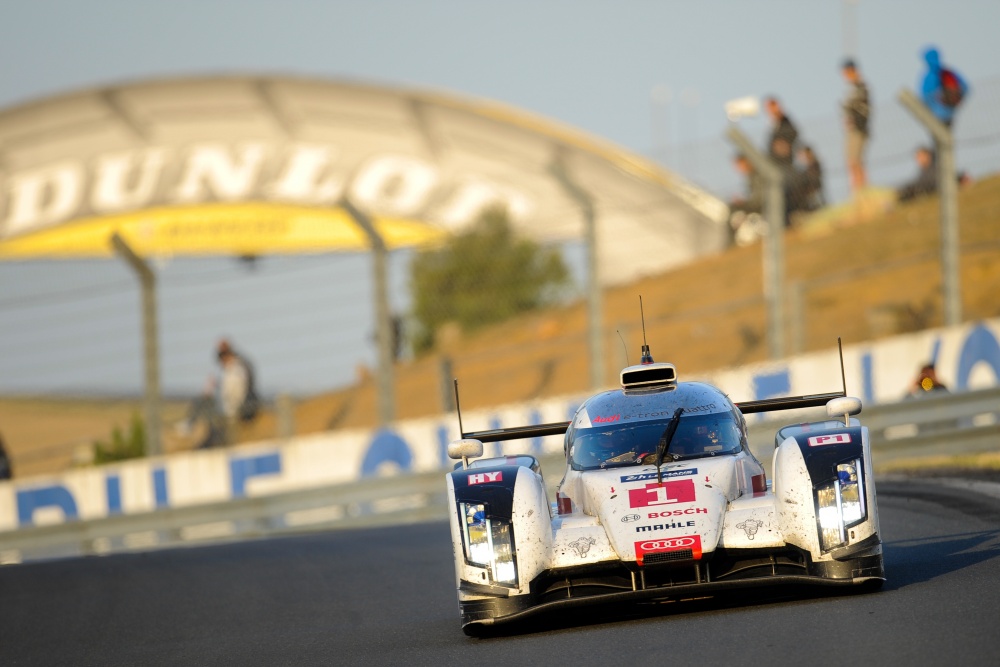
<point x="591" y="64"/>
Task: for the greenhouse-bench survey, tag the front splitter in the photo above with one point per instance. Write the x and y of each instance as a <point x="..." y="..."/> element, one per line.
<point x="649" y="594"/>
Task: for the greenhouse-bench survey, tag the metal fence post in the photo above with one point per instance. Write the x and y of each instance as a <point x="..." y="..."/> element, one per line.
<point x="147" y="280"/>
<point x="944" y="149"/>
<point x="447" y="377"/>
<point x="383" y="316"/>
<point x="797" y="302"/>
<point x="774" y="241"/>
<point x="595" y="307"/>
<point x="284" y="408"/>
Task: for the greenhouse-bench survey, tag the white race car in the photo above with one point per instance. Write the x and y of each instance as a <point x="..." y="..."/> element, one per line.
<point x="662" y="500"/>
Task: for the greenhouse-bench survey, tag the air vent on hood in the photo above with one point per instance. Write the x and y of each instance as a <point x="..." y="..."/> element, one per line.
<point x="649" y="375"/>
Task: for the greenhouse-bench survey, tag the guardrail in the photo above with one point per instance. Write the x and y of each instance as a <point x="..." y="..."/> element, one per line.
<point x="371" y="502"/>
<point x="936" y="423"/>
<point x="950" y="423"/>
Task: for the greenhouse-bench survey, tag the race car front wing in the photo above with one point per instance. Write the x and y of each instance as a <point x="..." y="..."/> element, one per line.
<point x="859" y="566"/>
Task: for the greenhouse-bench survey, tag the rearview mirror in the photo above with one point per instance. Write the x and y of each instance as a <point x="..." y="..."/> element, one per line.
<point x="844" y="406"/>
<point x="465" y="449"/>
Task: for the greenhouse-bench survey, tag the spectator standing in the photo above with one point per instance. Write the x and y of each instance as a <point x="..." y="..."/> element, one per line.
<point x="926" y="182"/>
<point x="781" y="144"/>
<point x="942" y="89"/>
<point x="857" y="114"/>
<point x="237" y="393"/>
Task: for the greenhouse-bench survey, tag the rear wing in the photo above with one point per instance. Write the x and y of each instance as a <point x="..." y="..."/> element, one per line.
<point x="746" y="407"/>
<point x="788" y="402"/>
<point x="796" y="402"/>
<point x="518" y="432"/>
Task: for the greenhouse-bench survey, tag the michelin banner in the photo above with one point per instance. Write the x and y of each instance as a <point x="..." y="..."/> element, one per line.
<point x="967" y="357"/>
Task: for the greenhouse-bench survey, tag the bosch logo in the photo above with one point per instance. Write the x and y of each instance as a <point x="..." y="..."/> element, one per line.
<point x="630" y="517"/>
<point x="670" y="513"/>
<point x="670" y="543"/>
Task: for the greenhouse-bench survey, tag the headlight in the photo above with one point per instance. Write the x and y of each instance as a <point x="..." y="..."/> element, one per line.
<point x="840" y="505"/>
<point x="476" y="531"/>
<point x="504" y="570"/>
<point x="488" y="543"/>
<point x="852" y="492"/>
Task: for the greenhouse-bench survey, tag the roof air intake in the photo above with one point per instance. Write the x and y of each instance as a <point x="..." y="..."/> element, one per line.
<point x="649" y="375"/>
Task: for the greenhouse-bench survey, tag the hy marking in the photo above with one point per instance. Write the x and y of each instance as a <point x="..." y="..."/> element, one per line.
<point x="486" y="477"/>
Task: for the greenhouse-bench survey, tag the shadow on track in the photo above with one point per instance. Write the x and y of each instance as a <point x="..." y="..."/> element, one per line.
<point x="574" y="619"/>
<point x="917" y="560"/>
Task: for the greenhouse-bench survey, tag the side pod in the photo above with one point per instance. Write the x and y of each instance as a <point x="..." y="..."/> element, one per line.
<point x="501" y="536"/>
<point x="825" y="496"/>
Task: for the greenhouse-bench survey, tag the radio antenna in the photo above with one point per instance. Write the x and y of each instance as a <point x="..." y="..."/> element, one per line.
<point x="647" y="358"/>
<point x="843" y="376"/>
<point x="624" y="346"/>
<point x="458" y="409"/>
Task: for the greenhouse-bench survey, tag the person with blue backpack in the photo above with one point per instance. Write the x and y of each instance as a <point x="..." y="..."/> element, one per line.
<point x="942" y="89"/>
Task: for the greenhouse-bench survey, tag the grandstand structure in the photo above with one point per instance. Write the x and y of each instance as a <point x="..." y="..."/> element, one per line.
<point x="250" y="166"/>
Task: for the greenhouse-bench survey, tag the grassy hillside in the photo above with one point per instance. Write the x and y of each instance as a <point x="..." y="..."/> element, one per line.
<point x="859" y="272"/>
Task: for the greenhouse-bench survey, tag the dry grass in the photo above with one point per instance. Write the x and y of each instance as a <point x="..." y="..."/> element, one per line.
<point x="862" y="275"/>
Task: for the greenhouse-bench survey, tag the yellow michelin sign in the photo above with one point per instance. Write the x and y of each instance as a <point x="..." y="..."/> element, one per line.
<point x="218" y="229"/>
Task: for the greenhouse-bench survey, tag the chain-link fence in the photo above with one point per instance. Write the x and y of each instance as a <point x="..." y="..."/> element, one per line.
<point x="307" y="322"/>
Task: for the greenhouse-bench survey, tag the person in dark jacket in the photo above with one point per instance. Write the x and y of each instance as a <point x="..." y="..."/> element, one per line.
<point x="926" y="181"/>
<point x="784" y="135"/>
<point x="805" y="189"/>
<point x="237" y="390"/>
<point x="857" y="112"/>
<point x="942" y="89"/>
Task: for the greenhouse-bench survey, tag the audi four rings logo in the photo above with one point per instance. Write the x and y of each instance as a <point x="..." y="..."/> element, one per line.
<point x="630" y="517"/>
<point x="670" y="543"/>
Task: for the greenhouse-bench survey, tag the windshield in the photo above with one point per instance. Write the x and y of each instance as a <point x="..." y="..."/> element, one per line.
<point x="626" y="445"/>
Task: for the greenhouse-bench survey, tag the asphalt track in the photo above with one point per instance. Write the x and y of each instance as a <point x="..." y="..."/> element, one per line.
<point x="386" y="597"/>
